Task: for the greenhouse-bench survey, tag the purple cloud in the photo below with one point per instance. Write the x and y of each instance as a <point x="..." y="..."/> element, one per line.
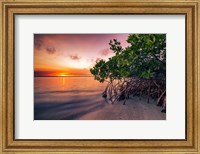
<point x="75" y="57"/>
<point x="105" y="51"/>
<point x="50" y="50"/>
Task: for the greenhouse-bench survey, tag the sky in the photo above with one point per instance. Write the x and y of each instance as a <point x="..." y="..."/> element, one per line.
<point x="71" y="54"/>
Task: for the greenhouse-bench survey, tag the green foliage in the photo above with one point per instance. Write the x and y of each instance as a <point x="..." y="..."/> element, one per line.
<point x="144" y="58"/>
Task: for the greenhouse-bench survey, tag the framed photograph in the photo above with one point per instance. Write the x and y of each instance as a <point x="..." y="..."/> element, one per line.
<point x="99" y="76"/>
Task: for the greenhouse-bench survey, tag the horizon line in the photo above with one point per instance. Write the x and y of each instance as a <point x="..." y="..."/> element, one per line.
<point x="64" y="76"/>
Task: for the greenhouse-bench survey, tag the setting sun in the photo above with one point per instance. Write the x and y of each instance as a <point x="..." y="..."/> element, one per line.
<point x="63" y="75"/>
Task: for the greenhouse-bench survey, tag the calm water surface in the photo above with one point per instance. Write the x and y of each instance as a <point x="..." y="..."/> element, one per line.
<point x="59" y="98"/>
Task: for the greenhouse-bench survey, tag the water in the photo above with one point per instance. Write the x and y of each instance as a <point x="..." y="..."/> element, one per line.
<point x="66" y="98"/>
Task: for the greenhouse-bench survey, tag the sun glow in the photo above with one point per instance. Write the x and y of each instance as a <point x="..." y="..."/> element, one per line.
<point x="63" y="75"/>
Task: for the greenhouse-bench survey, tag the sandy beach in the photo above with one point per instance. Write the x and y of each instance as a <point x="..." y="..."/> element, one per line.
<point x="135" y="109"/>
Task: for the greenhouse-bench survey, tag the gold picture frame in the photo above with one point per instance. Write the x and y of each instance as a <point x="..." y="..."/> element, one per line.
<point x="9" y="8"/>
